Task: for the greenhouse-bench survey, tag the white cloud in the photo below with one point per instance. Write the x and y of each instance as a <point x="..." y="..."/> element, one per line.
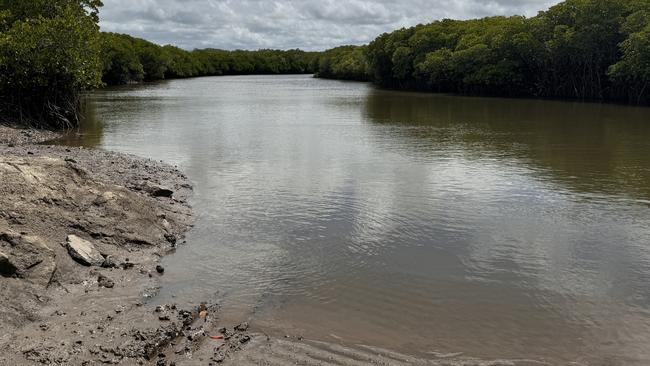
<point x="284" y="24"/>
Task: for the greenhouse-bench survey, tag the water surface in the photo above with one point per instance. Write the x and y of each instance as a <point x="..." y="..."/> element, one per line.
<point x="499" y="228"/>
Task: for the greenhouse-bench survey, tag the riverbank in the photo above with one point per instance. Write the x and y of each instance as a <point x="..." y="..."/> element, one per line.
<point x="81" y="235"/>
<point x="55" y="309"/>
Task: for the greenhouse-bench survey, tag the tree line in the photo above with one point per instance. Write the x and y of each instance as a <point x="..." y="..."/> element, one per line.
<point x="128" y="59"/>
<point x="53" y="50"/>
<point x="584" y="49"/>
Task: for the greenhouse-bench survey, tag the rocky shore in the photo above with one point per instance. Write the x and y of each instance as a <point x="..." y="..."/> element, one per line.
<point x="81" y="235"/>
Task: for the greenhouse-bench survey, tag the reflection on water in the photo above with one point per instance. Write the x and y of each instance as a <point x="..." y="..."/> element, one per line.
<point x="424" y="223"/>
<point x="592" y="147"/>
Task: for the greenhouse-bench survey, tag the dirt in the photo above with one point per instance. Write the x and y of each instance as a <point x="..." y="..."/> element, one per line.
<point x="55" y="309"/>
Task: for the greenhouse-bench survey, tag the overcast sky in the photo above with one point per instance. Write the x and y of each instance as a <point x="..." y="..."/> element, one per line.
<point x="285" y="24"/>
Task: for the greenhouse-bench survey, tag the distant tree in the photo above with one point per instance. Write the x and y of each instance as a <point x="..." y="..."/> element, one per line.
<point x="345" y="62"/>
<point x="121" y="64"/>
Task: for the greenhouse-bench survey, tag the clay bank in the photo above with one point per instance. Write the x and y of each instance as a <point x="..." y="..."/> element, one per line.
<point x="81" y="234"/>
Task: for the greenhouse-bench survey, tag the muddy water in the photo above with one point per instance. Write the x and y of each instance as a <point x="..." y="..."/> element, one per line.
<point x="502" y="229"/>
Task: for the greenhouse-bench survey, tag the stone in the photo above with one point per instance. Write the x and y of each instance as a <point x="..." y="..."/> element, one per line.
<point x="242" y="327"/>
<point x="7" y="269"/>
<point x="104" y="281"/>
<point x="171" y="238"/>
<point x="109" y="262"/>
<point x="84" y="251"/>
<point x="160" y="269"/>
<point x="156" y="190"/>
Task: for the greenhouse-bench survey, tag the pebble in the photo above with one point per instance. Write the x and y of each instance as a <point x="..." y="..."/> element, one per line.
<point x="104" y="281"/>
<point x="242" y="327"/>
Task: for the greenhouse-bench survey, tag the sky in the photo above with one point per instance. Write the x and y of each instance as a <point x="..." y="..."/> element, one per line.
<point x="285" y="24"/>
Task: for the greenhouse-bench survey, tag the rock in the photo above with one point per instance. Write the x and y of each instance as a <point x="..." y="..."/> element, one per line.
<point x="104" y="281"/>
<point x="26" y="257"/>
<point x="84" y="251"/>
<point x="156" y="190"/>
<point x="160" y="269"/>
<point x="109" y="262"/>
<point x="7" y="269"/>
<point x="242" y="327"/>
<point x="171" y="238"/>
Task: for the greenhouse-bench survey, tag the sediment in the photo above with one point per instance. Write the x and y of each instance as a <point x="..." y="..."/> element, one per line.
<point x="82" y="232"/>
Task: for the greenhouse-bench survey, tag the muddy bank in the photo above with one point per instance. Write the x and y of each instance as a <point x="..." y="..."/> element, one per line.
<point x="81" y="234"/>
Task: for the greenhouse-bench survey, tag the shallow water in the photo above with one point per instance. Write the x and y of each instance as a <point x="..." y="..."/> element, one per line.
<point x="498" y="228"/>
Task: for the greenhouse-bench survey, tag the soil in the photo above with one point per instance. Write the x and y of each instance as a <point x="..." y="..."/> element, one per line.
<point x="55" y="309"/>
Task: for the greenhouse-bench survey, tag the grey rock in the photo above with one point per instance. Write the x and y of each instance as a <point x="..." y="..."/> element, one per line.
<point x="156" y="190"/>
<point x="104" y="281"/>
<point x="7" y="269"/>
<point x="242" y="327"/>
<point x="84" y="251"/>
<point x="109" y="262"/>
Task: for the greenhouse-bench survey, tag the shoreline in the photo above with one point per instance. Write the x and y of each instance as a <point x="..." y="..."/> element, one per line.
<point x="57" y="309"/>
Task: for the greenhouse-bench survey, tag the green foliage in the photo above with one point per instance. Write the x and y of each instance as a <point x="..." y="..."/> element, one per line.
<point x="49" y="53"/>
<point x="586" y="49"/>
<point x="121" y="63"/>
<point x="128" y="59"/>
<point x="52" y="50"/>
<point x="346" y="62"/>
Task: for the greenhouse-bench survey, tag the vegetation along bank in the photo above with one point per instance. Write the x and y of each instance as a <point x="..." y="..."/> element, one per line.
<point x="52" y="50"/>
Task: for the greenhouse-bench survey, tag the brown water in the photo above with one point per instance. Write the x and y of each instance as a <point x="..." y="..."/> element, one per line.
<point x="499" y="228"/>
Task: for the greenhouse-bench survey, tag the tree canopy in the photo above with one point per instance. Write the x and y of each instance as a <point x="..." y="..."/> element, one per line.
<point x="585" y="49"/>
<point x="345" y="62"/>
<point x="49" y="53"/>
<point x="128" y="59"/>
<point x="52" y="50"/>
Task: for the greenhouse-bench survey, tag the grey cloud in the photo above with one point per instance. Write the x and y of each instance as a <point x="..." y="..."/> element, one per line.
<point x="285" y="24"/>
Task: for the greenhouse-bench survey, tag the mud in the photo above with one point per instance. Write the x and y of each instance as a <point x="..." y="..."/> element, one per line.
<point x="56" y="309"/>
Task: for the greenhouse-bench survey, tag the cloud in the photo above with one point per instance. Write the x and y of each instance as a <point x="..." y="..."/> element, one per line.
<point x="286" y="24"/>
